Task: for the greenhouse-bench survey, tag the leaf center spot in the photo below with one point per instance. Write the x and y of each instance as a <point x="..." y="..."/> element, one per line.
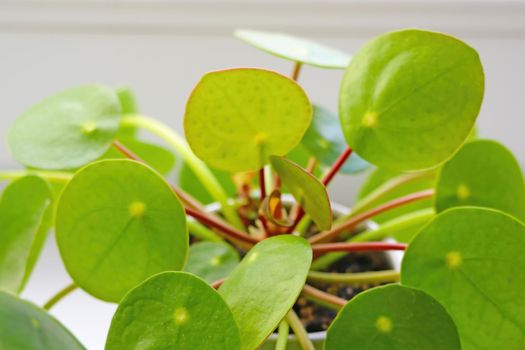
<point x="35" y="323"/>
<point x="463" y="192"/>
<point x="369" y="119"/>
<point x="453" y="260"/>
<point x="253" y="257"/>
<point x="215" y="261"/>
<point x="181" y="316"/>
<point x="384" y="324"/>
<point x="89" y="127"/>
<point x="260" y="138"/>
<point x="137" y="209"/>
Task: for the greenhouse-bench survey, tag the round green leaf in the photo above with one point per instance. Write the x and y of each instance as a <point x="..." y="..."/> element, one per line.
<point x="306" y="189"/>
<point x="173" y="310"/>
<point x="190" y="183"/>
<point x="235" y="119"/>
<point x="118" y="222"/>
<point x="325" y="141"/>
<point x="295" y="49"/>
<point x="24" y="326"/>
<point x="25" y="213"/>
<point x="66" y="130"/>
<point x="393" y="317"/>
<point x="265" y="285"/>
<point x="471" y="260"/>
<point x="410" y="98"/>
<point x="211" y="260"/>
<point x="483" y="173"/>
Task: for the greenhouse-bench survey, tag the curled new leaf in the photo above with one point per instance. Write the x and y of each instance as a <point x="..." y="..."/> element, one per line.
<point x="471" y="261"/>
<point x="393" y="317"/>
<point x="118" y="222"/>
<point x="66" y="130"/>
<point x="235" y="119"/>
<point x="410" y="98"/>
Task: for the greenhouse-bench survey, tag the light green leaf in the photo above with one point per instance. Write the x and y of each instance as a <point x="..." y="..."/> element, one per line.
<point x="393" y="317"/>
<point x="127" y="99"/>
<point x="306" y="189"/>
<point x="118" y="222"/>
<point x="325" y="141"/>
<point x="483" y="173"/>
<point x="471" y="260"/>
<point x="173" y="310"/>
<point x="410" y="98"/>
<point x="295" y="49"/>
<point x="190" y="183"/>
<point x="212" y="261"/>
<point x="235" y="119"/>
<point x="265" y="285"/>
<point x="24" y="326"/>
<point x="66" y="130"/>
<point x="25" y="213"/>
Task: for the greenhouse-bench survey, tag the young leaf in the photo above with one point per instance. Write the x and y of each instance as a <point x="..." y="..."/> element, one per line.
<point x="265" y="285"/>
<point x="189" y="182"/>
<point x="471" y="260"/>
<point x="410" y="98"/>
<point x="325" y="141"/>
<point x="235" y="119"/>
<point x="483" y="173"/>
<point x="25" y="213"/>
<point x="294" y="49"/>
<point x="66" y="130"/>
<point x="26" y="326"/>
<point x="118" y="222"/>
<point x="306" y="189"/>
<point x="173" y="310"/>
<point x="393" y="317"/>
<point x="211" y="261"/>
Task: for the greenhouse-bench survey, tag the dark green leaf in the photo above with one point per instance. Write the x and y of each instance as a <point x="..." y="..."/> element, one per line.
<point x="118" y="222"/>
<point x="393" y="317"/>
<point x="410" y="99"/>
<point x="173" y="310"/>
<point x="471" y="260"/>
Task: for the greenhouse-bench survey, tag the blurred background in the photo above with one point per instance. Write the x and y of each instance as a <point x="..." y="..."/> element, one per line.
<point x="160" y="49"/>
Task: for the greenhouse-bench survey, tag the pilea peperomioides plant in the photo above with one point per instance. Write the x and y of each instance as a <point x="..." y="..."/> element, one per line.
<point x="272" y="255"/>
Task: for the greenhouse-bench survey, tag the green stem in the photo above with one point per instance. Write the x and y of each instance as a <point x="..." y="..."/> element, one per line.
<point x="202" y="232"/>
<point x="51" y="176"/>
<point x="382" y="191"/>
<point x="354" y="278"/>
<point x="203" y="173"/>
<point x="57" y="297"/>
<point x="282" y="337"/>
<point x="387" y="229"/>
<point x="300" y="333"/>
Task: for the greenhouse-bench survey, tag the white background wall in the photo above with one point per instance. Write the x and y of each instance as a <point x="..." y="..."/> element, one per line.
<point x="161" y="48"/>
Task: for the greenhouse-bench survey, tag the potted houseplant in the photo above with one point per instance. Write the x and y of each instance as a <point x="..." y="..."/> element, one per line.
<point x="272" y="254"/>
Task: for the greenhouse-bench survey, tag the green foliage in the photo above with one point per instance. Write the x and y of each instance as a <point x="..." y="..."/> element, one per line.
<point x="190" y="183"/>
<point x="173" y="310"/>
<point x="306" y="190"/>
<point x="212" y="261"/>
<point x="66" y="130"/>
<point x="393" y="317"/>
<point x="24" y="326"/>
<point x="410" y="98"/>
<point x="118" y="222"/>
<point x="483" y="173"/>
<point x="260" y="291"/>
<point x="471" y="260"/>
<point x="235" y="119"/>
<point x="25" y="219"/>
<point x="294" y="49"/>
<point x="325" y="141"/>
